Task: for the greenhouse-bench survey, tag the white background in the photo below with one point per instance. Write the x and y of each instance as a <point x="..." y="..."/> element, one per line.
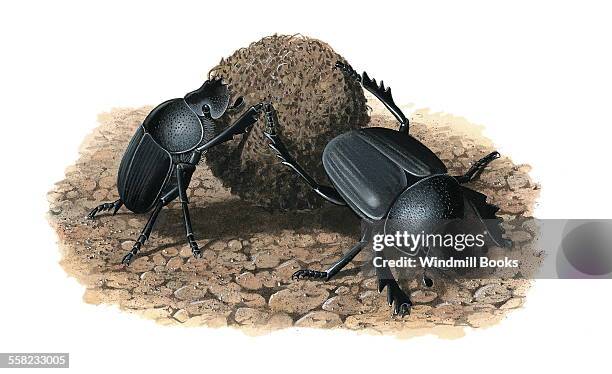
<point x="536" y="75"/>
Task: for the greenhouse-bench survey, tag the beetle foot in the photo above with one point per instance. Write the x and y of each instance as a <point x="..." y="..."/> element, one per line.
<point x="115" y="205"/>
<point x="396" y="298"/>
<point x="127" y="259"/>
<point x="197" y="252"/>
<point x="309" y="274"/>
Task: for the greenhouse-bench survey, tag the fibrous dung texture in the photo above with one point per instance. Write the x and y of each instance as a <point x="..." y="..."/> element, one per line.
<point x="314" y="103"/>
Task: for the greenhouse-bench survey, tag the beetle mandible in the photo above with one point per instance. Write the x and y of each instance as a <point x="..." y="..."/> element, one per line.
<point x="389" y="177"/>
<point x="159" y="161"/>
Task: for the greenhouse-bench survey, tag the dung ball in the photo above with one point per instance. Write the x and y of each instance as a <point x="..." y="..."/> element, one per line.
<point x="314" y="103"/>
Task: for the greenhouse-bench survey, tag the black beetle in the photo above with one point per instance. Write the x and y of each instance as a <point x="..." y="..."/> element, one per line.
<point x="389" y="177"/>
<point x="159" y="161"/>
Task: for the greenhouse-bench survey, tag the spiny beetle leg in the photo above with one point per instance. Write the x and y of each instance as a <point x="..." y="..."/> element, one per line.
<point x="115" y="205"/>
<point x="276" y="144"/>
<point x="399" y="300"/>
<point x="380" y="91"/>
<point x="396" y="298"/>
<point x="279" y="148"/>
<point x="309" y="274"/>
<point x="348" y="71"/>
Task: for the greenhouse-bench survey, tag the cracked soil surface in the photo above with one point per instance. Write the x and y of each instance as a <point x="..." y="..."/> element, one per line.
<point x="244" y="278"/>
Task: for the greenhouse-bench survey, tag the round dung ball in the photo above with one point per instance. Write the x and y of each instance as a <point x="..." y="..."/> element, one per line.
<point x="314" y="103"/>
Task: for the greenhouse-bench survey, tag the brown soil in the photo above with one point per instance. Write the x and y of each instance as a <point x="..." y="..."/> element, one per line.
<point x="243" y="280"/>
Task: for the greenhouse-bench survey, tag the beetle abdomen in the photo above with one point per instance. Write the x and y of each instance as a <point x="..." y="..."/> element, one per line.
<point x="127" y="157"/>
<point x="143" y="172"/>
<point x="366" y="179"/>
<point x="174" y="126"/>
<point x="404" y="150"/>
<point x="370" y="167"/>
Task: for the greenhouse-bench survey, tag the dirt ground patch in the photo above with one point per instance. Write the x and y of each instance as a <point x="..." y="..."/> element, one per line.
<point x="244" y="278"/>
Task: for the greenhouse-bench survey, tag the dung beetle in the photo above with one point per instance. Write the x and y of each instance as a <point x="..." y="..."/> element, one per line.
<point x="388" y="178"/>
<point x="159" y="161"/>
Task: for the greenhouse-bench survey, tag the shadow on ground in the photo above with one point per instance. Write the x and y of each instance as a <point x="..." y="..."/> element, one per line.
<point x="244" y="278"/>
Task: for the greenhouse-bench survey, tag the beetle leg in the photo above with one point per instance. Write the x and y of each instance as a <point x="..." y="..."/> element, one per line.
<point x="381" y="92"/>
<point x="115" y="205"/>
<point x="477" y="168"/>
<point x="337" y="266"/>
<point x="144" y="235"/>
<point x="310" y="274"/>
<point x="396" y="298"/>
<point x="276" y="144"/>
<point x="334" y="269"/>
<point x="183" y="176"/>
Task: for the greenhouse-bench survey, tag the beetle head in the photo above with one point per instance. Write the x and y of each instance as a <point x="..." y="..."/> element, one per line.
<point x="214" y="95"/>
